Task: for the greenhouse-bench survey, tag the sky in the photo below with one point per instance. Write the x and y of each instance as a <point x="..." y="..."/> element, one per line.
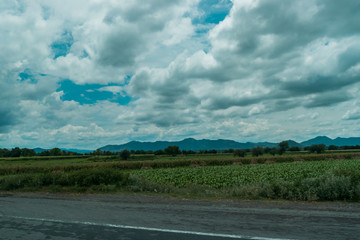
<point x="87" y="73"/>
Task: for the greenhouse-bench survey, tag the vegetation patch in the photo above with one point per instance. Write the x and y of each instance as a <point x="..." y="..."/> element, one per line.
<point x="317" y="180"/>
<point x="60" y="178"/>
<point x="292" y="177"/>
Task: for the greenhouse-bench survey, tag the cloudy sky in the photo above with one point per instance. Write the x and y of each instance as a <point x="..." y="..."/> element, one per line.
<point x="87" y="73"/>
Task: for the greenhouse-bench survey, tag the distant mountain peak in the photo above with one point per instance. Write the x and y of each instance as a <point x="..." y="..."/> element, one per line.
<point x="186" y="144"/>
<point x="352" y="141"/>
<point x="223" y="144"/>
<point x="322" y="137"/>
<point x="189" y="139"/>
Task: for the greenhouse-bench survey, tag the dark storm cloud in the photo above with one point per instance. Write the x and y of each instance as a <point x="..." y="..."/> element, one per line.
<point x="349" y="58"/>
<point x="288" y="22"/>
<point x="225" y="102"/>
<point x="144" y="12"/>
<point x="166" y="88"/>
<point x="340" y="19"/>
<point x="275" y="38"/>
<point x="244" y="74"/>
<point x="167" y="118"/>
<point x="171" y="92"/>
<point x="353" y="114"/>
<point x="131" y="32"/>
<point x="282" y="105"/>
<point x="317" y="84"/>
<point x="7" y="119"/>
<point x="120" y="48"/>
<point x="327" y="100"/>
<point x="9" y="104"/>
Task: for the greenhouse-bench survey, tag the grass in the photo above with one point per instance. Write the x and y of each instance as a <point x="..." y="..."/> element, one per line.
<point x="293" y="177"/>
<point x="46" y="164"/>
<point x="317" y="180"/>
<point x="43" y="161"/>
<point x="77" y="178"/>
<point x="233" y="175"/>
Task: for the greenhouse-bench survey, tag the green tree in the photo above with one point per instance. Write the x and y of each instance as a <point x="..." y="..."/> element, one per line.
<point x="97" y="152"/>
<point x="239" y="153"/>
<point x="159" y="152"/>
<point x="283" y="146"/>
<point x="107" y="153"/>
<point x="4" y="152"/>
<point x="125" y="154"/>
<point x="45" y="153"/>
<point x="55" y="152"/>
<point x="172" y="150"/>
<point x="15" y="152"/>
<point x="257" y="151"/>
<point x="318" y="148"/>
<point x="273" y="151"/>
<point x="294" y="149"/>
<point x="26" y="152"/>
<point x="333" y="147"/>
<point x="267" y="150"/>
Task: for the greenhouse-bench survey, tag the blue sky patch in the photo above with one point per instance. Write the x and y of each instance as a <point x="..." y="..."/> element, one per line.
<point x="26" y="75"/>
<point x="92" y="93"/>
<point x="61" y="47"/>
<point x="214" y="11"/>
<point x="84" y="54"/>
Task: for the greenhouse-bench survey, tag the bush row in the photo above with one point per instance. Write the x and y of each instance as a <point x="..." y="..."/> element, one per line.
<point x="343" y="185"/>
<point x="43" y="158"/>
<point x="332" y="186"/>
<point x="76" y="178"/>
<point x="9" y="170"/>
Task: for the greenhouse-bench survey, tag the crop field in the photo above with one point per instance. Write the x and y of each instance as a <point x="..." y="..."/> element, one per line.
<point x="330" y="176"/>
<point x="235" y="175"/>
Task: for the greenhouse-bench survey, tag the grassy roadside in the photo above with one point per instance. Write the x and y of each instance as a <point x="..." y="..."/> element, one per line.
<point x="297" y="178"/>
<point x="309" y="181"/>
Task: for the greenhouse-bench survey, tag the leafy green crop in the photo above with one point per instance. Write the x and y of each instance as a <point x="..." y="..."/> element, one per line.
<point x="235" y="175"/>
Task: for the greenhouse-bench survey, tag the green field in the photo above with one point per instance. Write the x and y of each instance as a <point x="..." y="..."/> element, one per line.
<point x="235" y="175"/>
<point x="333" y="176"/>
<point x="316" y="180"/>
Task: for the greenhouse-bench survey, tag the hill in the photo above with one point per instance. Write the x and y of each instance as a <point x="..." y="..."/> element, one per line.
<point x="220" y="144"/>
<point x="352" y="141"/>
<point x="186" y="144"/>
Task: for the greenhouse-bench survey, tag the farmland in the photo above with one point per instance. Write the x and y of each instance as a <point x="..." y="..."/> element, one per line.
<point x="330" y="176"/>
<point x="316" y="180"/>
<point x="235" y="175"/>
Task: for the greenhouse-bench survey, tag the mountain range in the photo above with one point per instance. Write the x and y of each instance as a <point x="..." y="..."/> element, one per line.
<point x="221" y="144"/>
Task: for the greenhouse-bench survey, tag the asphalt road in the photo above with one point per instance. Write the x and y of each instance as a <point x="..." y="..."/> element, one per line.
<point x="48" y="216"/>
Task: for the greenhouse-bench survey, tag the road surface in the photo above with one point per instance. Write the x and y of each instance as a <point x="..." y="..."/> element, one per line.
<point x="58" y="216"/>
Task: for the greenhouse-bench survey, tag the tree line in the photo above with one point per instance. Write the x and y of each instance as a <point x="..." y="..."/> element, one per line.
<point x="26" y="152"/>
<point x="281" y="148"/>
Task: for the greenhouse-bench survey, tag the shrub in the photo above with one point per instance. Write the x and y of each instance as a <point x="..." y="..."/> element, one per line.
<point x="172" y="150"/>
<point x="77" y="178"/>
<point x="125" y="154"/>
<point x="332" y="187"/>
<point x="318" y="148"/>
<point x="239" y="153"/>
<point x="256" y="151"/>
<point x="294" y="149"/>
